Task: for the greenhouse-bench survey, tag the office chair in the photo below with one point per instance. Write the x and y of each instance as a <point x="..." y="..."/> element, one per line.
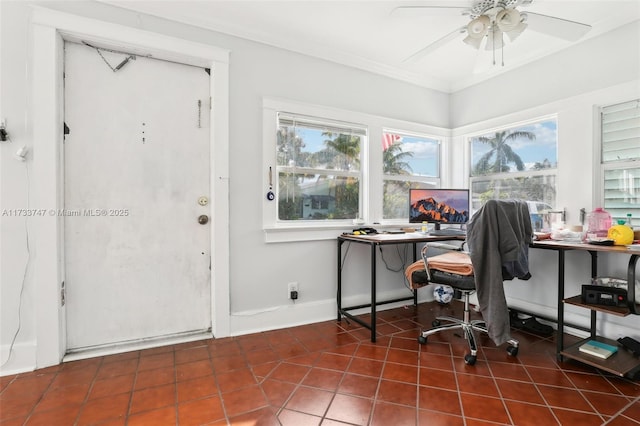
<point x="499" y="232"/>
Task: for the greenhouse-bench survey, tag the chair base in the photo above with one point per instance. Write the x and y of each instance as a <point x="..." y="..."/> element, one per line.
<point x="468" y="326"/>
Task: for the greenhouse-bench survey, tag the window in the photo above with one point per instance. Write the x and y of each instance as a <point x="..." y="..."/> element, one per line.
<point x="620" y="155"/>
<point x="325" y="169"/>
<point x="408" y="161"/>
<point x="517" y="162"/>
<point x="318" y="163"/>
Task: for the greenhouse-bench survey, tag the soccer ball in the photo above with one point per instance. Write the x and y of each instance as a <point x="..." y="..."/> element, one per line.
<point x="443" y="294"/>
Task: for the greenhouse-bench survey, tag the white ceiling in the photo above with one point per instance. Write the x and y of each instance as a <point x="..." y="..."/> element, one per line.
<point x="370" y="35"/>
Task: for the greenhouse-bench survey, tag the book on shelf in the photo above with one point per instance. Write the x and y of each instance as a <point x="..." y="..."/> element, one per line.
<point x="599" y="349"/>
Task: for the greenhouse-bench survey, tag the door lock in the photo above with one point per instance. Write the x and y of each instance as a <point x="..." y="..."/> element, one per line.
<point x="203" y="219"/>
<point x="203" y="201"/>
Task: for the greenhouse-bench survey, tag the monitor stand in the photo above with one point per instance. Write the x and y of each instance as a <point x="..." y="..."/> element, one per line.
<point x="448" y="232"/>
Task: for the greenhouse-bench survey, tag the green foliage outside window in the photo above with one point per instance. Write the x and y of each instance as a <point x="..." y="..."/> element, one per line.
<point x="318" y="175"/>
<point x="409" y="162"/>
<point x="515" y="163"/>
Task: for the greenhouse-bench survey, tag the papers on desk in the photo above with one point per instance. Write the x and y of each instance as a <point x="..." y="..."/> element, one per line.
<point x="566" y="235"/>
<point x="634" y="247"/>
<point x="383" y="237"/>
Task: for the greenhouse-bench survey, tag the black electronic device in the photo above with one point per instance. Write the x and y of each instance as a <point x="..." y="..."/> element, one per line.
<point x="601" y="242"/>
<point x="448" y="232"/>
<point x="604" y="295"/>
<point x="631" y="344"/>
<point x="439" y="206"/>
<point x="365" y="231"/>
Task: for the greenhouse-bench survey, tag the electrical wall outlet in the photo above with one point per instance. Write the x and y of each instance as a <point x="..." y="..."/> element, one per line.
<point x="292" y="290"/>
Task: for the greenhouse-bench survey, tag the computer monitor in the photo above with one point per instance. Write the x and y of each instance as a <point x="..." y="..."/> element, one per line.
<point x="436" y="205"/>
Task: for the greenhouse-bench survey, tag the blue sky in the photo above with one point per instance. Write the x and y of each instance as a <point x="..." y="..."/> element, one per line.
<point x="425" y="162"/>
<point x="543" y="147"/>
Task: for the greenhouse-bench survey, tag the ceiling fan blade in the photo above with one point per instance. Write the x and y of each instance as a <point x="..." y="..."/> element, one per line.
<point x="557" y="27"/>
<point x="422" y="11"/>
<point x="435" y="45"/>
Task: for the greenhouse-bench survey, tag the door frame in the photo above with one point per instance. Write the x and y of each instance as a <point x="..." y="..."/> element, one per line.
<point x="50" y="29"/>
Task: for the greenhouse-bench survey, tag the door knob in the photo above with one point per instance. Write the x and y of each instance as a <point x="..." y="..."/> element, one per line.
<point x="203" y="219"/>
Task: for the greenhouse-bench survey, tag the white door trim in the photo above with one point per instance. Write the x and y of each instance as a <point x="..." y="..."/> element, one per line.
<point x="49" y="29"/>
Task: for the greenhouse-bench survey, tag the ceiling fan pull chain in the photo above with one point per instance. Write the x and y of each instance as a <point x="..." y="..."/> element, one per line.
<point x="493" y="37"/>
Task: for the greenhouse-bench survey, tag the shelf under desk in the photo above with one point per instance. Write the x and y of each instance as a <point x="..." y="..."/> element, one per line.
<point x="621" y="363"/>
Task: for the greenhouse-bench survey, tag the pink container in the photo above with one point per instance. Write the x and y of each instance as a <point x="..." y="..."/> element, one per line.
<point x="598" y="223"/>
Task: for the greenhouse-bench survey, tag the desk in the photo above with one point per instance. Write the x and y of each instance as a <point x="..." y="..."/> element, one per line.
<point x="377" y="240"/>
<point x="623" y="364"/>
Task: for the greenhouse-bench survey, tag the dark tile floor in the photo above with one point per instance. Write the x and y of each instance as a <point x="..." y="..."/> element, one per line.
<point x="329" y="374"/>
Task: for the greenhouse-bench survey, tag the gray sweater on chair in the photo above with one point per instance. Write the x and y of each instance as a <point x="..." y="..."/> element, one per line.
<point x="498" y="238"/>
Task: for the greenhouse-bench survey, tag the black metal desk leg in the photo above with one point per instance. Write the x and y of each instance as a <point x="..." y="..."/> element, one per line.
<point x="631" y="278"/>
<point x="560" y="338"/>
<point x="415" y="292"/>
<point x="594" y="274"/>
<point x="373" y="292"/>
<point x="339" y="295"/>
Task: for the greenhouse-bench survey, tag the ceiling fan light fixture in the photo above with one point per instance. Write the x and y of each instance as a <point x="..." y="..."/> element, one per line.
<point x="508" y="19"/>
<point x="492" y="19"/>
<point x="473" y="41"/>
<point x="478" y="27"/>
<point x="513" y="34"/>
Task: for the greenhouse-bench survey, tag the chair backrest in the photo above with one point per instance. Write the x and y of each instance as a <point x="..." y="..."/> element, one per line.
<point x="502" y="225"/>
<point x="498" y="237"/>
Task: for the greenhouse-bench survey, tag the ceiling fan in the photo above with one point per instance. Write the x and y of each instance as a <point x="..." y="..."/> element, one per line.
<point x="492" y="20"/>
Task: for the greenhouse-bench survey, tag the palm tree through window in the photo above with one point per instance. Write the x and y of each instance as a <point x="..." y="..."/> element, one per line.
<point x="318" y="168"/>
<point x="519" y="162"/>
<point x="408" y="161"/>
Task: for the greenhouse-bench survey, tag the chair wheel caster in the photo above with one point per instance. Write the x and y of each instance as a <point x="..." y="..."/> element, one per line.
<point x="422" y="340"/>
<point x="512" y="350"/>
<point x="469" y="359"/>
<point x="435" y="323"/>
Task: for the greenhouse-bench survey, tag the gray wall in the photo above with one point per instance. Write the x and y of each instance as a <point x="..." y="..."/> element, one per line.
<point x="569" y="85"/>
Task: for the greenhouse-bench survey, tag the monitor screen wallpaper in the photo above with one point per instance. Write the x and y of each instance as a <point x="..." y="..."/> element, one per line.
<point x="439" y="206"/>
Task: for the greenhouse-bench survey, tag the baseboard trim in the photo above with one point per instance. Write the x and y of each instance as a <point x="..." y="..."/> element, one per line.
<point x="21" y="358"/>
<point x="296" y="314"/>
<point x="135" y="345"/>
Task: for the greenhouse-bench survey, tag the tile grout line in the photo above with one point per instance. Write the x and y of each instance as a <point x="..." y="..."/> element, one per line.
<point x="546" y="403"/>
<point x="622" y="410"/>
<point x="42" y="395"/>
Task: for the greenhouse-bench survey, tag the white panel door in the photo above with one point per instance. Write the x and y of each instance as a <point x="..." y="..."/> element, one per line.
<point x="136" y="161"/>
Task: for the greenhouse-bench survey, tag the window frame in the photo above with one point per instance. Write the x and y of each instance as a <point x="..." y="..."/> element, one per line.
<point x="603" y="166"/>
<point x="554" y="171"/>
<point x="430" y="181"/>
<point x="371" y="166"/>
<point x="307" y="122"/>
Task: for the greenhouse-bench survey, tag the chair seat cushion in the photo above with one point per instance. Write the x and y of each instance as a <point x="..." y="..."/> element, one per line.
<point x="460" y="282"/>
<point x="455" y="262"/>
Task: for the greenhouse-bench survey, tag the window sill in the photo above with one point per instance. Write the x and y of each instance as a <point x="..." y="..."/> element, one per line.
<point x="304" y="233"/>
<point x="318" y="232"/>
